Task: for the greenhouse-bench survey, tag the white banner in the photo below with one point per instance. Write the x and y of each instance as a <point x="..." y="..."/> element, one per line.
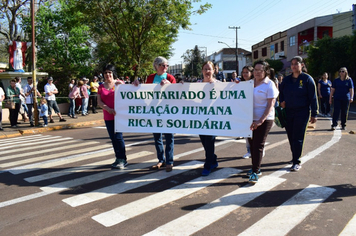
<point x="223" y="109"/>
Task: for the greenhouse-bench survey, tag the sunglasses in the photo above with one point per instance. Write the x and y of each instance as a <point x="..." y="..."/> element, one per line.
<point x="163" y="65"/>
<point x="342" y="71"/>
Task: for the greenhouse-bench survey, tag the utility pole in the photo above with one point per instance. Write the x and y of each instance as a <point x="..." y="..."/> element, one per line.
<point x="33" y="11"/>
<point x="237" y="49"/>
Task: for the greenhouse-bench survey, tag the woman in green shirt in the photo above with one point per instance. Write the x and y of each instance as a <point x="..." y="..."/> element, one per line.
<point x="13" y="94"/>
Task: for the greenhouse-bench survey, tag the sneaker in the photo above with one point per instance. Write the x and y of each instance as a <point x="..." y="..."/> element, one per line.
<point x="45" y="125"/>
<point x="343" y="128"/>
<point x="119" y="164"/>
<point x="62" y="120"/>
<point x="51" y="121"/>
<point x="249" y="173"/>
<point x="14" y="126"/>
<point x="74" y="117"/>
<point x="295" y="167"/>
<point x="253" y="178"/>
<point x="206" y="172"/>
<point x="247" y="155"/>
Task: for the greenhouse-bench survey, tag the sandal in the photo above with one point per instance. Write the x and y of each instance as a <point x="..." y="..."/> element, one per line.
<point x="169" y="168"/>
<point x="158" y="166"/>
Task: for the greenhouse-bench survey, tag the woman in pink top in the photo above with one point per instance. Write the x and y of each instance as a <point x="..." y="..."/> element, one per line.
<point x="106" y="100"/>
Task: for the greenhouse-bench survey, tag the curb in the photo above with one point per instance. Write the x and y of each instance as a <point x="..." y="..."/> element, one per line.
<point x="52" y="128"/>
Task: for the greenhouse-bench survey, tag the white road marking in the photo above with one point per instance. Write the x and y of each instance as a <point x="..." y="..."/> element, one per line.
<point x="28" y="142"/>
<point x="336" y="138"/>
<point x="41" y="151"/>
<point x="59" y="154"/>
<point x="213" y="211"/>
<point x="151" y="202"/>
<point x="82" y="168"/>
<point x="350" y="229"/>
<point x="5" y="142"/>
<point x="60" y="161"/>
<point x="111" y="190"/>
<point x="299" y="206"/>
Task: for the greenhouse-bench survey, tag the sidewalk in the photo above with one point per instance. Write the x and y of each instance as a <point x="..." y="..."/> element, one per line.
<point x="25" y="129"/>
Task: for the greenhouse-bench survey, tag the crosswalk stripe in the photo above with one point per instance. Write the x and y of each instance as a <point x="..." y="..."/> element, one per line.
<point x="34" y="147"/>
<point x="30" y="142"/>
<point x="299" y="206"/>
<point x="82" y="168"/>
<point x="61" y="161"/>
<point x="120" y="214"/>
<point x="95" y="177"/>
<point x="350" y="228"/>
<point x="46" y="150"/>
<point x="111" y="190"/>
<point x="213" y="211"/>
<point x="5" y="142"/>
<point x="46" y="157"/>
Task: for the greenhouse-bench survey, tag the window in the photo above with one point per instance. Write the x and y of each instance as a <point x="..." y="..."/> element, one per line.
<point x="255" y="54"/>
<point x="282" y="46"/>
<point x="292" y="41"/>
<point x="276" y="48"/>
<point x="264" y="51"/>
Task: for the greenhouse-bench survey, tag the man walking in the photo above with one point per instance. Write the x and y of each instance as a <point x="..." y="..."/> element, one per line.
<point x="51" y="90"/>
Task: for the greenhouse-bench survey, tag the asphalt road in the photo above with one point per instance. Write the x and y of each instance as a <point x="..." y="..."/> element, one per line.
<point x="60" y="183"/>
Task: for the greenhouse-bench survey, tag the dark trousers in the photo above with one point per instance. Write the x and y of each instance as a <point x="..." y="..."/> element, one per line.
<point x="297" y="122"/>
<point x="14" y="113"/>
<point x="325" y="105"/>
<point x="94" y="101"/>
<point x="208" y="142"/>
<point x="340" y="106"/>
<point x="117" y="140"/>
<point x="257" y="143"/>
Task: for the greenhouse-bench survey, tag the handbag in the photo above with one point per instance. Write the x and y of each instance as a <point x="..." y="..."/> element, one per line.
<point x="280" y="118"/>
<point x="9" y="104"/>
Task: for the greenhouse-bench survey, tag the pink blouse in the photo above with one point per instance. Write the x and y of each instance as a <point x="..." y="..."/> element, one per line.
<point x="108" y="98"/>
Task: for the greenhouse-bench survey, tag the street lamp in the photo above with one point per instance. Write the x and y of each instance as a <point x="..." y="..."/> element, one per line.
<point x="237" y="62"/>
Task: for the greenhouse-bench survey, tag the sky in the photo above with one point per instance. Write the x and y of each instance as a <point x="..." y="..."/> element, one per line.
<point x="257" y="20"/>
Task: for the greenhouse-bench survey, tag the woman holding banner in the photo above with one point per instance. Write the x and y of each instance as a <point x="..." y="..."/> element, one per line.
<point x="161" y="76"/>
<point x="264" y="96"/>
<point x="208" y="141"/>
<point x="106" y="100"/>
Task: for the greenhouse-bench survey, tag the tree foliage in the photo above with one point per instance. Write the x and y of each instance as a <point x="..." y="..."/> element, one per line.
<point x="193" y="62"/>
<point x="277" y="65"/>
<point x="329" y="54"/>
<point x="132" y="33"/>
<point x="63" y="43"/>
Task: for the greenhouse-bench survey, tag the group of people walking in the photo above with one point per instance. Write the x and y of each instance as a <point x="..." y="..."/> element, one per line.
<point x="297" y="95"/>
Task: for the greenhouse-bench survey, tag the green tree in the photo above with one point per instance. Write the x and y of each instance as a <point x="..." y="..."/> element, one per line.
<point x="63" y="44"/>
<point x="193" y="61"/>
<point x="132" y="33"/>
<point x="329" y="54"/>
<point x="277" y="65"/>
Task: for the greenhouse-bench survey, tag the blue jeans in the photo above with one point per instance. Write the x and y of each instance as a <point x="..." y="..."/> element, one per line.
<point x="208" y="142"/>
<point x="45" y="120"/>
<point x="117" y="140"/>
<point x="169" y="147"/>
<point x="85" y="105"/>
<point x="71" y="111"/>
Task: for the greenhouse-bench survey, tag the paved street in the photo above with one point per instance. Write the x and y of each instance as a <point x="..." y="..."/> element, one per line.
<point x="60" y="183"/>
